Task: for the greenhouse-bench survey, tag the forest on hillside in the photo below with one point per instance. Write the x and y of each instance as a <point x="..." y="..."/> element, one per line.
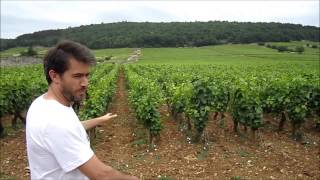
<point x="172" y="34"/>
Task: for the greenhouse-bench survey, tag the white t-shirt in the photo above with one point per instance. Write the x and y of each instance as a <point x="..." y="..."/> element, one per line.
<point x="57" y="143"/>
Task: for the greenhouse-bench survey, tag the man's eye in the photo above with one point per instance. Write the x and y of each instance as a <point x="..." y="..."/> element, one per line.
<point x="77" y="76"/>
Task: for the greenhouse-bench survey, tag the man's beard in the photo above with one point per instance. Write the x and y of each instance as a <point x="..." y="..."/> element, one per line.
<point x="72" y="97"/>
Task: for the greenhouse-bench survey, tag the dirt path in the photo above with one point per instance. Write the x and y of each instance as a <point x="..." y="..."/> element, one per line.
<point x="134" y="57"/>
<point x="114" y="138"/>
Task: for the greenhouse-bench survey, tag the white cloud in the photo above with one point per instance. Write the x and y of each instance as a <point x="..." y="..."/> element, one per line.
<point x="40" y="15"/>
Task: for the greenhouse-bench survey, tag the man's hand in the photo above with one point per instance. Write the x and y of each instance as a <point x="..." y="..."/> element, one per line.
<point x="88" y="124"/>
<point x="107" y="117"/>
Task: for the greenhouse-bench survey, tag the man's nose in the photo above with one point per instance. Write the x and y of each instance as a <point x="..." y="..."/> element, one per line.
<point x="85" y="82"/>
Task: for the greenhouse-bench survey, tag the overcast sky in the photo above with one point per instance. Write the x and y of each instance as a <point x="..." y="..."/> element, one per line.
<point x="20" y="17"/>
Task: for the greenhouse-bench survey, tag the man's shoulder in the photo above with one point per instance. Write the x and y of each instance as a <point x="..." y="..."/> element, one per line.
<point x="42" y="105"/>
<point x="37" y="101"/>
<point x="43" y="110"/>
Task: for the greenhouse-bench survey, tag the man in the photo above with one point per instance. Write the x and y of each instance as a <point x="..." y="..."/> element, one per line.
<point x="57" y="143"/>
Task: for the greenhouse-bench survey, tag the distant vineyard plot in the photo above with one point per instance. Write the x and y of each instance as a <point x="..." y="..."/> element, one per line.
<point x="230" y="54"/>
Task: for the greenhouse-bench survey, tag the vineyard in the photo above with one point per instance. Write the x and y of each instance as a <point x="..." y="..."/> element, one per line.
<point x="212" y="108"/>
<point x="245" y="92"/>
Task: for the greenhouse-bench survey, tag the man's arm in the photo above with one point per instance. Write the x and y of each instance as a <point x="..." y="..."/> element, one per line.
<point x="88" y="124"/>
<point x="94" y="169"/>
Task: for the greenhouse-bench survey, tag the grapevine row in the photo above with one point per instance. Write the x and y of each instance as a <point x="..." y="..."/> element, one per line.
<point x="145" y="97"/>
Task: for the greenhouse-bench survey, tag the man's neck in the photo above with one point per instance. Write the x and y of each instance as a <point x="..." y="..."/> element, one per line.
<point x="54" y="94"/>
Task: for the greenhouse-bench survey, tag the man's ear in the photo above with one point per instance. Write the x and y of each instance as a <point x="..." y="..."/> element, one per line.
<point x="55" y="78"/>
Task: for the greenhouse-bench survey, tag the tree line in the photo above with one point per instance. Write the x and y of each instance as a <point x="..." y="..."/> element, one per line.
<point x="171" y="34"/>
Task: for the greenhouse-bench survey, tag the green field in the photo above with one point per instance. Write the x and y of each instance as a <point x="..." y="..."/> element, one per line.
<point x="219" y="54"/>
<point x="227" y="54"/>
